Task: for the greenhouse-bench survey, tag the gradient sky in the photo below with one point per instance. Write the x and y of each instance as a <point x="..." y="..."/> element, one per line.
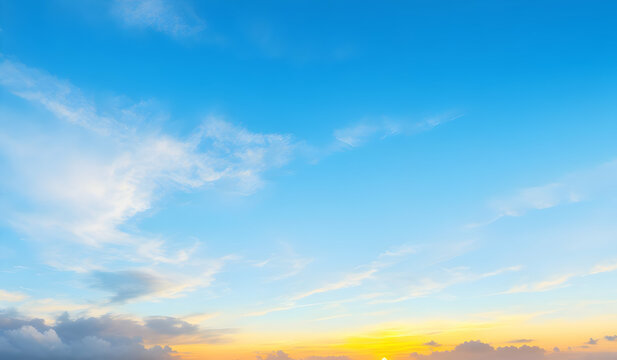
<point x="308" y="180"/>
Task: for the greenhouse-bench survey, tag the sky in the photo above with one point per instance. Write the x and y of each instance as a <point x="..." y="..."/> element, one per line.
<point x="308" y="180"/>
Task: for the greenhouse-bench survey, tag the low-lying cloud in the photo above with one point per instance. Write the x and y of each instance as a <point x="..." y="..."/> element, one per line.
<point x="477" y="350"/>
<point x="105" y="337"/>
<point x="33" y="339"/>
<point x="281" y="355"/>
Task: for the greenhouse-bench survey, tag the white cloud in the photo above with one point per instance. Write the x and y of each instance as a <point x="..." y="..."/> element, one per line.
<point x="559" y="281"/>
<point x="537" y="198"/>
<point x="84" y="184"/>
<point x="574" y="188"/>
<point x="366" y="272"/>
<point x="165" y="16"/>
<point x="602" y="268"/>
<point x="285" y="264"/>
<point x="363" y="132"/>
<point x="9" y="296"/>
<point x="351" y="280"/>
<point x="428" y="286"/>
<point x="358" y="134"/>
<point x="87" y="194"/>
<point x="541" y="286"/>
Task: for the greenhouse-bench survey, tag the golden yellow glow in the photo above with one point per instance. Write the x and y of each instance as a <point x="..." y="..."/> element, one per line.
<point x="400" y="339"/>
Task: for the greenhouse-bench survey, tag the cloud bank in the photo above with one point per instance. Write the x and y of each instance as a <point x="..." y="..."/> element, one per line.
<point x="33" y="339"/>
<point x="477" y="350"/>
<point x="105" y="337"/>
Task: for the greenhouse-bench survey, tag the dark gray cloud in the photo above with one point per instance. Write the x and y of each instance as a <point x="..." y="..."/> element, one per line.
<point x="592" y="341"/>
<point x="476" y="350"/>
<point x="94" y="338"/>
<point x="432" y="343"/>
<point x="611" y="337"/>
<point x="26" y="339"/>
<point x="126" y="285"/>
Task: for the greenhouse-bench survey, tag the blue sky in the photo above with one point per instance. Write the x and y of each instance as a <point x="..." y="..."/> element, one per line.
<point x="293" y="175"/>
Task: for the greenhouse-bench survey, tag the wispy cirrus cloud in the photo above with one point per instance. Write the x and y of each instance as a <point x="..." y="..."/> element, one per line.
<point x="83" y="189"/>
<point x="362" y="132"/>
<point x="573" y="188"/>
<point x="87" y="192"/>
<point x="541" y="286"/>
<point x="351" y="280"/>
<point x="558" y="282"/>
<point x="286" y="263"/>
<point x="363" y="273"/>
<point x="174" y="18"/>
<point x="428" y="286"/>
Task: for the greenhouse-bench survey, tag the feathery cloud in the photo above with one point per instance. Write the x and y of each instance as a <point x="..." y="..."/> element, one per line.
<point x="84" y="190"/>
<point x="165" y="16"/>
<point x="569" y="189"/>
<point x="360" y="133"/>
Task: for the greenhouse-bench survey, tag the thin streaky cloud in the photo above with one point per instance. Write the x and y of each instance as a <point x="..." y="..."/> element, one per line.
<point x="429" y="286"/>
<point x="351" y="280"/>
<point x="602" y="268"/>
<point x="541" y="286"/>
<point x="362" y="132"/>
<point x="574" y="188"/>
<point x="559" y="281"/>
<point x="354" y="279"/>
<point x="165" y="16"/>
